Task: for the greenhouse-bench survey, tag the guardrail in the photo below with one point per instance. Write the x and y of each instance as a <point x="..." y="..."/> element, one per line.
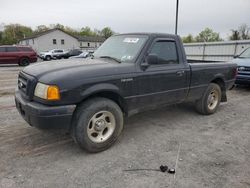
<point x="215" y="51"/>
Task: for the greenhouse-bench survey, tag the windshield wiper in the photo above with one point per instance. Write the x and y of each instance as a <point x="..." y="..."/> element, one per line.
<point x="113" y="58"/>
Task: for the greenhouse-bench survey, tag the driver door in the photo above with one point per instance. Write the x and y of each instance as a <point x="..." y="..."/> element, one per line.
<point x="167" y="81"/>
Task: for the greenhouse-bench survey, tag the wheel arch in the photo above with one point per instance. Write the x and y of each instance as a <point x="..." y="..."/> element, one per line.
<point x="219" y="80"/>
<point x="108" y="91"/>
<point x="22" y="57"/>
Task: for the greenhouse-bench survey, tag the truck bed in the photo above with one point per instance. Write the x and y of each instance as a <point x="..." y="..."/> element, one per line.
<point x="203" y="72"/>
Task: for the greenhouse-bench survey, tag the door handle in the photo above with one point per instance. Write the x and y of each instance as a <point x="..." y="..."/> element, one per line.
<point x="180" y="73"/>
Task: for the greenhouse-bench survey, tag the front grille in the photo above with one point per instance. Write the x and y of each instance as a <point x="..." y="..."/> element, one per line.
<point x="26" y="84"/>
<point x="243" y="69"/>
<point x="22" y="83"/>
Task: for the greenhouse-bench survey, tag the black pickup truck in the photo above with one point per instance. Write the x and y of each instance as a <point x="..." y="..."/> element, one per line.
<point x="129" y="73"/>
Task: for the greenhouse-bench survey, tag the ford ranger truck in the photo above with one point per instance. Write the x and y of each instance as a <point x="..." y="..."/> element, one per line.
<point x="127" y="74"/>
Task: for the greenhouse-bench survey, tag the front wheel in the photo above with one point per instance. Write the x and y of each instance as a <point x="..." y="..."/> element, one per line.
<point x="97" y="124"/>
<point x="48" y="58"/>
<point x="210" y="101"/>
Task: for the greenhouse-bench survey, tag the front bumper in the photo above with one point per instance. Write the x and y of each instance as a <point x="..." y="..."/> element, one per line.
<point x="43" y="116"/>
<point x="243" y="79"/>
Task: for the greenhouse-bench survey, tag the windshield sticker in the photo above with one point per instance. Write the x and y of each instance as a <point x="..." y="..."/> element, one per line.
<point x="131" y="40"/>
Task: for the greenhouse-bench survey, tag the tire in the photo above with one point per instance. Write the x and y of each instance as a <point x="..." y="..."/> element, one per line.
<point x="24" y="61"/>
<point x="97" y="123"/>
<point x="210" y="101"/>
<point x="48" y="58"/>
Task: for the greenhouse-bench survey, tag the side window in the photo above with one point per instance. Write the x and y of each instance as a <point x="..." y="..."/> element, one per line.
<point x="166" y="52"/>
<point x="2" y="49"/>
<point x="12" y="49"/>
<point x="62" y="41"/>
<point x="54" y="41"/>
<point x="25" y="49"/>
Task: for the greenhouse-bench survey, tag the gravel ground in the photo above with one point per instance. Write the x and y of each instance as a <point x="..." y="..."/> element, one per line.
<point x="207" y="151"/>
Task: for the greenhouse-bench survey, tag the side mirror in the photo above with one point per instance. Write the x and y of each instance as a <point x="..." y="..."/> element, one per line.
<point x="152" y="59"/>
<point x="236" y="56"/>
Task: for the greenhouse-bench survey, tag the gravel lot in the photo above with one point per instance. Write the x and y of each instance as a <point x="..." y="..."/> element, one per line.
<point x="210" y="151"/>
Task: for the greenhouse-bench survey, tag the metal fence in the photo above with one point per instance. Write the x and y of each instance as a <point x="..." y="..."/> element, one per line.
<point x="215" y="51"/>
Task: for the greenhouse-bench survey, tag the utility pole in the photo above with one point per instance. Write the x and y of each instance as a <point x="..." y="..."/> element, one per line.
<point x="176" y="16"/>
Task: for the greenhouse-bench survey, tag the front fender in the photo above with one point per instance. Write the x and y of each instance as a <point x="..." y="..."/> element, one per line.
<point x="103" y="87"/>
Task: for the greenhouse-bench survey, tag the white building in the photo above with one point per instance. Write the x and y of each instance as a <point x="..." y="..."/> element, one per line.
<point x="59" y="39"/>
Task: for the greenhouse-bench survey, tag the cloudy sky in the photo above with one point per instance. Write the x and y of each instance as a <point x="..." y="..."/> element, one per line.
<point x="130" y="15"/>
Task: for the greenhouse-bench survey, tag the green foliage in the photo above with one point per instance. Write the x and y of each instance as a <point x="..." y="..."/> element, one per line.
<point x="107" y="32"/>
<point x="86" y="31"/>
<point x="188" y="39"/>
<point x="1" y="36"/>
<point x="14" y="32"/>
<point x="208" y="35"/>
<point x="41" y="28"/>
<point x="242" y="33"/>
<point x="235" y="35"/>
<point x="58" y="26"/>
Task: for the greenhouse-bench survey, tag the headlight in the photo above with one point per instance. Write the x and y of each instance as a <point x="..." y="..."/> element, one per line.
<point x="48" y="92"/>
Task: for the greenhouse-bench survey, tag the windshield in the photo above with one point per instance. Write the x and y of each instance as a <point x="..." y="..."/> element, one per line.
<point x="245" y="54"/>
<point x="122" y="48"/>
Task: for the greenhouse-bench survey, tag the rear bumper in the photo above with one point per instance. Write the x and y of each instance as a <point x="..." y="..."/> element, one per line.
<point x="43" y="116"/>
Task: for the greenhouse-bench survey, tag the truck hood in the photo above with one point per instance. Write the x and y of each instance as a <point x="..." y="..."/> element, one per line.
<point x="242" y="62"/>
<point x="71" y="70"/>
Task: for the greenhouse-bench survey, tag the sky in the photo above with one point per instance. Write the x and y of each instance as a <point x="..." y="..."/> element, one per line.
<point x="130" y="15"/>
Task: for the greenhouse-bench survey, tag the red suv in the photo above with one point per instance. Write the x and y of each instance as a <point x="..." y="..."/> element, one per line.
<point x="21" y="55"/>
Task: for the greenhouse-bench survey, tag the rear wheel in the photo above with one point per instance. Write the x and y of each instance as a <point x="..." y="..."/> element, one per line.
<point x="97" y="124"/>
<point x="210" y="100"/>
<point x="24" y="61"/>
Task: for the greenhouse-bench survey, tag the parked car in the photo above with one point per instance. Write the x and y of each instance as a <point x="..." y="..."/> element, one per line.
<point x="52" y="54"/>
<point x="21" y="55"/>
<point x="73" y="52"/>
<point x="128" y="74"/>
<point x="82" y="55"/>
<point x="243" y="62"/>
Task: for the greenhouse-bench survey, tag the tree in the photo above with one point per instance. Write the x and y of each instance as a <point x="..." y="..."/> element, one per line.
<point x="188" y="39"/>
<point x="41" y="28"/>
<point x="107" y="32"/>
<point x="97" y="32"/>
<point x="235" y="35"/>
<point x="71" y="30"/>
<point x="14" y="32"/>
<point x="1" y="36"/>
<point x="56" y="26"/>
<point x="244" y="32"/>
<point x="208" y="35"/>
<point x="86" y="31"/>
